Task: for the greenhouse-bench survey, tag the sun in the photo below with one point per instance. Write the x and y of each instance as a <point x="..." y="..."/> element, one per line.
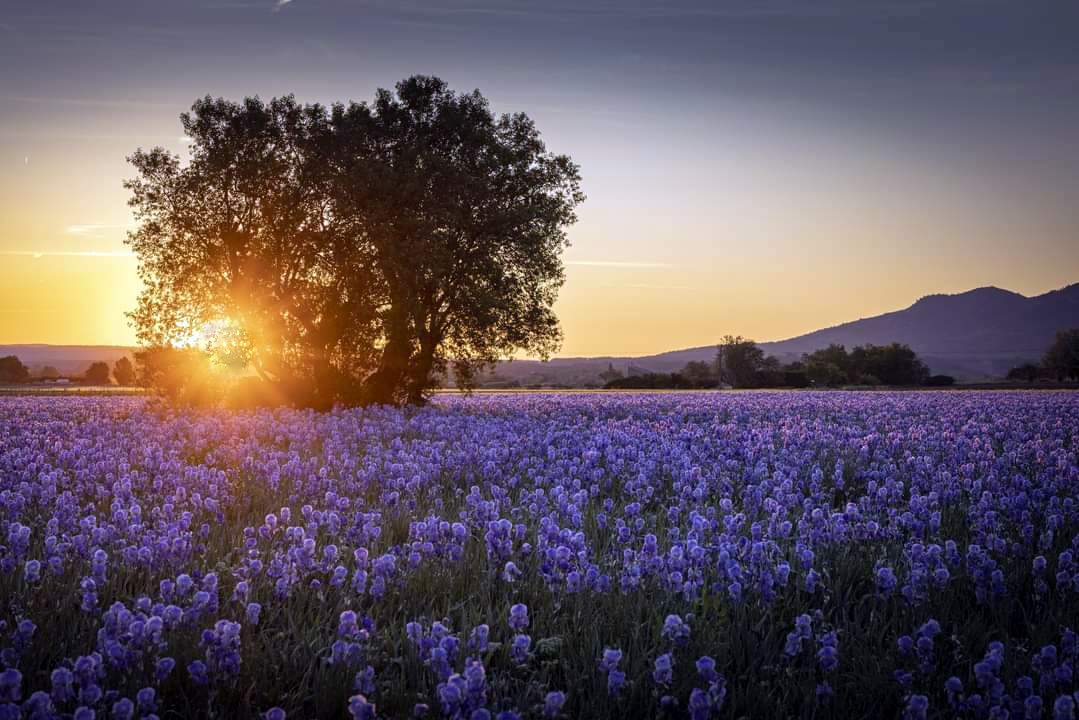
<point x="224" y="339"/>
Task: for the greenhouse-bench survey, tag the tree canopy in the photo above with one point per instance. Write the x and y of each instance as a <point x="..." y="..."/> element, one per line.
<point x="1062" y="358"/>
<point x="739" y="361"/>
<point x="12" y="370"/>
<point x="97" y="374"/>
<point x="892" y="364"/>
<point x="354" y="253"/>
<point x="123" y="371"/>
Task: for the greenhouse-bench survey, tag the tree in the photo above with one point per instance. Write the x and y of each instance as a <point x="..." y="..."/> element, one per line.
<point x="354" y="253"/>
<point x="124" y="372"/>
<point x="610" y="374"/>
<point x="242" y="239"/>
<point x="12" y="370"/>
<point x="829" y="366"/>
<point x="97" y="374"/>
<point x="739" y="360"/>
<point x="826" y="374"/>
<point x="49" y="373"/>
<point x="466" y="215"/>
<point x="699" y="374"/>
<point x="1062" y="358"/>
<point x="1028" y="372"/>
<point x="893" y="364"/>
<point x="794" y="375"/>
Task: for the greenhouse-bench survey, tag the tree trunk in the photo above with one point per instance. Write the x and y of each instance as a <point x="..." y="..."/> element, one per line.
<point x="420" y="372"/>
<point x="387" y="385"/>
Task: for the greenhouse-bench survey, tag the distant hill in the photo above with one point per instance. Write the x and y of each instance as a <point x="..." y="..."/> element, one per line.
<point x="68" y="359"/>
<point x="975" y="335"/>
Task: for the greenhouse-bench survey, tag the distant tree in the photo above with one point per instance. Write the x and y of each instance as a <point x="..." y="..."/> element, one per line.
<point x="1027" y="372"/>
<point x="829" y="366"/>
<point x="769" y="373"/>
<point x="610" y="374"/>
<point x="1062" y="358"/>
<point x="825" y="374"/>
<point x="12" y="370"/>
<point x="794" y="375"/>
<point x="699" y="374"/>
<point x="49" y="373"/>
<point x="124" y="372"/>
<point x="97" y="374"/>
<point x="360" y="249"/>
<point x="739" y="360"/>
<point x="939" y="381"/>
<point x="893" y="364"/>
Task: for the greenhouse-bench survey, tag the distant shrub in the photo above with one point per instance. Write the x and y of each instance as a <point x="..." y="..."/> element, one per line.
<point x="12" y="370"/>
<point x="939" y="381"/>
<point x="1028" y="372"/>
<point x="97" y="374"/>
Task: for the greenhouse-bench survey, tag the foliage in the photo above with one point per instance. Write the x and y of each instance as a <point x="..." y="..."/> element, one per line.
<point x="124" y="372"/>
<point x="939" y="381"/>
<point x="739" y="361"/>
<point x="894" y="364"/>
<point x="717" y="555"/>
<point x="49" y="373"/>
<point x="700" y="374"/>
<point x="97" y="374"/>
<point x="611" y="374"/>
<point x="1062" y="358"/>
<point x="354" y="252"/>
<point x="12" y="370"/>
<point x="1028" y="372"/>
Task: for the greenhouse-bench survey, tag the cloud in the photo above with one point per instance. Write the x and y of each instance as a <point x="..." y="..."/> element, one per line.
<point x="280" y="4"/>
<point x="91" y="230"/>
<point x="617" y="264"/>
<point x="641" y="286"/>
<point x="68" y="253"/>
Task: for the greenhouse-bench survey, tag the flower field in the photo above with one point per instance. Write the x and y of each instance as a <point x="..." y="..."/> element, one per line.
<point x="509" y="556"/>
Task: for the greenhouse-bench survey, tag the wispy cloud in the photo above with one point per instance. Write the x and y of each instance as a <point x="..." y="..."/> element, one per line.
<point x="280" y="4"/>
<point x="68" y="253"/>
<point x="644" y="286"/>
<point x="617" y="264"/>
<point x="91" y="230"/>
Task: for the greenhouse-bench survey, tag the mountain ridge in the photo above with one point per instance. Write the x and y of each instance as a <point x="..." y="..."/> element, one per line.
<point x="976" y="334"/>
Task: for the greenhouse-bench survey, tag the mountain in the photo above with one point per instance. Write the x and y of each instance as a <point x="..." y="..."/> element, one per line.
<point x="975" y="335"/>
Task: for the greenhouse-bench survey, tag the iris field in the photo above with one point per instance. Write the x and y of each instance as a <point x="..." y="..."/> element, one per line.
<point x="813" y="555"/>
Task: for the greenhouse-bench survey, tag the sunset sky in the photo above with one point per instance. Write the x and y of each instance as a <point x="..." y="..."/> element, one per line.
<point x="756" y="167"/>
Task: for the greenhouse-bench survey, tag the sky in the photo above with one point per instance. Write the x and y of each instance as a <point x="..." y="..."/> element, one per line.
<point x="753" y="167"/>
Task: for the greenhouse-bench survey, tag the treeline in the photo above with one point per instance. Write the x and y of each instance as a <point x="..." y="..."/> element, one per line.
<point x="740" y="363"/>
<point x="1060" y="362"/>
<point x="14" y="372"/>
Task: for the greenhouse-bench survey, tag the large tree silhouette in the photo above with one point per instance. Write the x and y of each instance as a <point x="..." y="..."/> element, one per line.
<point x="352" y="254"/>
